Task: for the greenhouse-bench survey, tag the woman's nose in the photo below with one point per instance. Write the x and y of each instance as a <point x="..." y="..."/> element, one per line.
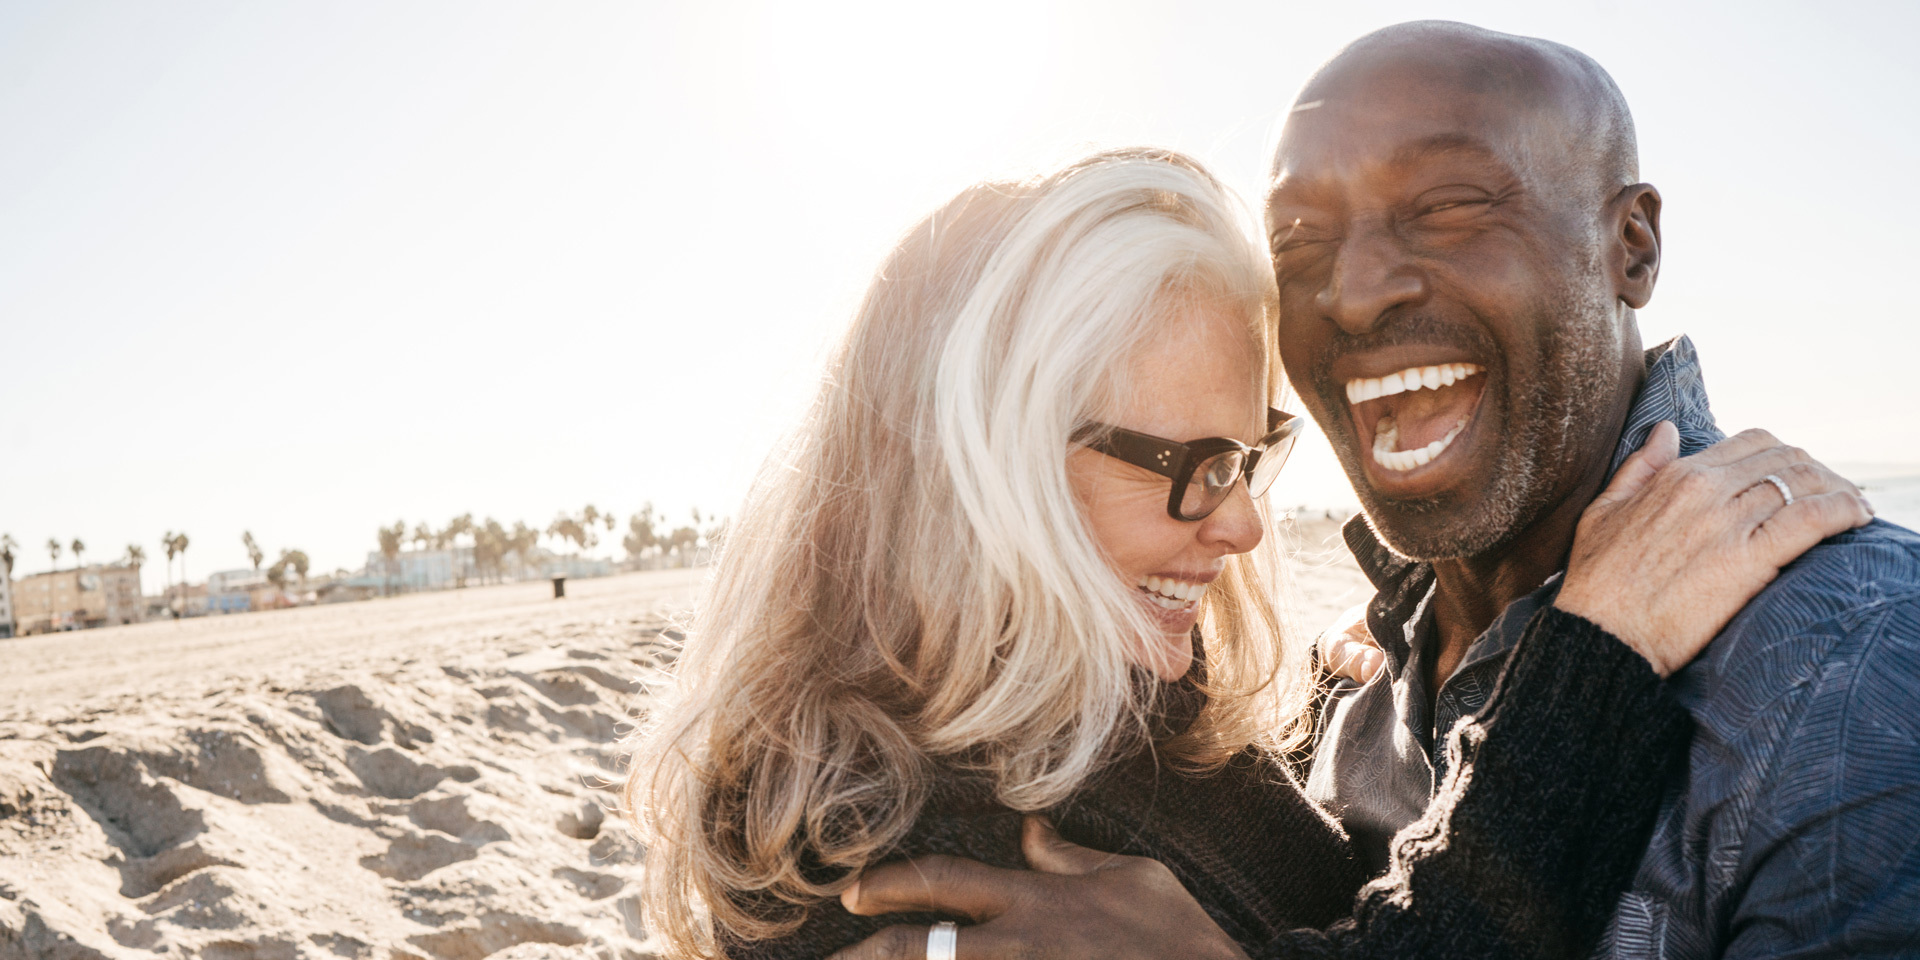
<point x="1235" y="524"/>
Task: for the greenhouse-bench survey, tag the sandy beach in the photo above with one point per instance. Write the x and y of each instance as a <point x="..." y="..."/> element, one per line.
<point x="428" y="776"/>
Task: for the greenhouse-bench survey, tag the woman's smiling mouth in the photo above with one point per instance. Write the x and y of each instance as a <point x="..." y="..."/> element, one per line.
<point x="1168" y="593"/>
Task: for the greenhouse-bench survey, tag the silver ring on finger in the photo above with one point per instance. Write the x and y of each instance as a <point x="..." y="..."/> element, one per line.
<point x="1780" y="485"/>
<point x="943" y="940"/>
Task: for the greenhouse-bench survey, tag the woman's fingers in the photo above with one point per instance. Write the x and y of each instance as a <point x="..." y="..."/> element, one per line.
<point x="1761" y="499"/>
<point x="1794" y="529"/>
<point x="1347" y="649"/>
<point x="980" y="942"/>
<point x="1787" y="463"/>
<point x="950" y="885"/>
<point x="1355" y="659"/>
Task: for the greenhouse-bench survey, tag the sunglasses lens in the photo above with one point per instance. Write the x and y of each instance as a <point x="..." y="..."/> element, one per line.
<point x="1212" y="480"/>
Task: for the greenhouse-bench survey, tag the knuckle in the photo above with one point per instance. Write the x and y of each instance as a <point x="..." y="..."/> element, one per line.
<point x="898" y="943"/>
<point x="1760" y="435"/>
<point x="1807" y="476"/>
<point x="1148" y="873"/>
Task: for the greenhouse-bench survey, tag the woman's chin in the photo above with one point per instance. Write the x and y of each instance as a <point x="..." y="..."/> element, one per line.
<point x="1173" y="650"/>
<point x="1176" y="623"/>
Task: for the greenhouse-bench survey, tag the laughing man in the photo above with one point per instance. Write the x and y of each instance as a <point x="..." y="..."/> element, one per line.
<point x="1461" y="241"/>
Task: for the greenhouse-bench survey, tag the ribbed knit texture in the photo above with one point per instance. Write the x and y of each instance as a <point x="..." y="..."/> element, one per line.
<point x="1537" y="829"/>
<point x="1528" y="844"/>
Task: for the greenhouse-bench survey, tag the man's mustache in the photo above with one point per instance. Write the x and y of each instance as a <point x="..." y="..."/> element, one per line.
<point x="1413" y="329"/>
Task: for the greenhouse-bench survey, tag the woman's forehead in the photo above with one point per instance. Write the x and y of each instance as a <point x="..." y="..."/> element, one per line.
<point x="1202" y="373"/>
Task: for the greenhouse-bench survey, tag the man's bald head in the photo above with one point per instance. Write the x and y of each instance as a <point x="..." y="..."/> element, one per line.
<point x="1572" y="112"/>
<point x="1448" y="197"/>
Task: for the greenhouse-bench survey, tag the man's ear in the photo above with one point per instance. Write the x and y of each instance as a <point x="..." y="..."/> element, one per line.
<point x="1635" y="217"/>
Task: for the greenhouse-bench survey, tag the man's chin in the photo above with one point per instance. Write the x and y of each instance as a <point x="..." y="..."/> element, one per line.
<point x="1473" y="516"/>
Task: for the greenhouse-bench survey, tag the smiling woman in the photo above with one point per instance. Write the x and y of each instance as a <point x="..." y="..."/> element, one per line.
<point x="970" y="585"/>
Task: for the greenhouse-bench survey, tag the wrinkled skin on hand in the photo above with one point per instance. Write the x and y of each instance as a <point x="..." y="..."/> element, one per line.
<point x="1674" y="547"/>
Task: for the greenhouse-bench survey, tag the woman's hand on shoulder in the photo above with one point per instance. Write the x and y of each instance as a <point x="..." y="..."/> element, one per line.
<point x="1347" y="649"/>
<point x="1675" y="546"/>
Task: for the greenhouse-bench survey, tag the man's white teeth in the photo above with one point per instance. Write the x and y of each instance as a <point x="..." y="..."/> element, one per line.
<point x="1386" y="436"/>
<point x="1361" y="390"/>
<point x="1170" y="593"/>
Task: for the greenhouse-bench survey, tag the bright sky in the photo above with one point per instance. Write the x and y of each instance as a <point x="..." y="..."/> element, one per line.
<point x="306" y="268"/>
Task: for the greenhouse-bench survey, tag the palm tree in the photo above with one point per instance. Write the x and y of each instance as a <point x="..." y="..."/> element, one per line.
<point x="254" y="553"/>
<point x="166" y="543"/>
<point x="580" y="529"/>
<point x="53" y="548"/>
<point x="78" y="549"/>
<point x="641" y="536"/>
<point x="180" y="546"/>
<point x="489" y="547"/>
<point x="390" y="540"/>
<point x="450" y="539"/>
<point x="296" y="559"/>
<point x="521" y="544"/>
<point x="136" y="555"/>
<point x="7" y="546"/>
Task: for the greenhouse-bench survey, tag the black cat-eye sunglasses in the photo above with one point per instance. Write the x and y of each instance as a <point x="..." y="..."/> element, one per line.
<point x="1203" y="471"/>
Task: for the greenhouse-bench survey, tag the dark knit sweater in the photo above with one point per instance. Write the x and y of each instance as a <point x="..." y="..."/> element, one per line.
<point x="1522" y="854"/>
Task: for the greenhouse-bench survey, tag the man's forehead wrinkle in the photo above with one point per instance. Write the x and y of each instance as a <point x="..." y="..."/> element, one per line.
<point x="1317" y="172"/>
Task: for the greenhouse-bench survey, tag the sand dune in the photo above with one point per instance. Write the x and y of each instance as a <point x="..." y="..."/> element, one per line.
<point x="419" y="777"/>
<point x="424" y="777"/>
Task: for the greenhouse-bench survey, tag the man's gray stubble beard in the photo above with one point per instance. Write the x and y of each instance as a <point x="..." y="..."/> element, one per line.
<point x="1578" y="371"/>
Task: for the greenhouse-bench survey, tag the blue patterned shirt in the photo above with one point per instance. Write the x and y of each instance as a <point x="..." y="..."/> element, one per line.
<point x="1797" y="830"/>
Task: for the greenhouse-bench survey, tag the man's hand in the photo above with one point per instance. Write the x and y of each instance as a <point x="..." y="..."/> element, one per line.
<point x="1347" y="649"/>
<point x="1081" y="904"/>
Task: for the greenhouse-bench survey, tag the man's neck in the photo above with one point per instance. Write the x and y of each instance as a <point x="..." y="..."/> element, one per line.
<point x="1469" y="592"/>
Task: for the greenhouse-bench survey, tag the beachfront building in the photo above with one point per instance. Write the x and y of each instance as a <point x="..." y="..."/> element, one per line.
<point x="238" y="591"/>
<point x="424" y="569"/>
<point x="182" y="600"/>
<point x="101" y="595"/>
<point x="416" y="570"/>
<point x="6" y="604"/>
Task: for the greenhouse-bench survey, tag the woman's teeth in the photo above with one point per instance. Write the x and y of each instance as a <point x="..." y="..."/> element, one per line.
<point x="1361" y="390"/>
<point x="1172" y="594"/>
<point x="1386" y="436"/>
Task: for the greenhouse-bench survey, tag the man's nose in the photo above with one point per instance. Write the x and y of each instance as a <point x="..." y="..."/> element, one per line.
<point x="1371" y="275"/>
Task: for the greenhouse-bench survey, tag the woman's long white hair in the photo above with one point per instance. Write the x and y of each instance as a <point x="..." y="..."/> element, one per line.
<point x="912" y="587"/>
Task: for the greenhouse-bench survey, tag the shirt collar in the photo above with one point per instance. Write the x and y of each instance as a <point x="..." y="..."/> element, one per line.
<point x="1674" y="390"/>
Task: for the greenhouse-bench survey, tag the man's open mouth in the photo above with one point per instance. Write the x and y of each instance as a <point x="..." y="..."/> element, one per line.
<point x="1415" y="414"/>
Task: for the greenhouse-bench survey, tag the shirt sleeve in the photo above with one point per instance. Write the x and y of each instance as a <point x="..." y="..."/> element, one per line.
<point x="1831" y="860"/>
<point x="1537" y="829"/>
